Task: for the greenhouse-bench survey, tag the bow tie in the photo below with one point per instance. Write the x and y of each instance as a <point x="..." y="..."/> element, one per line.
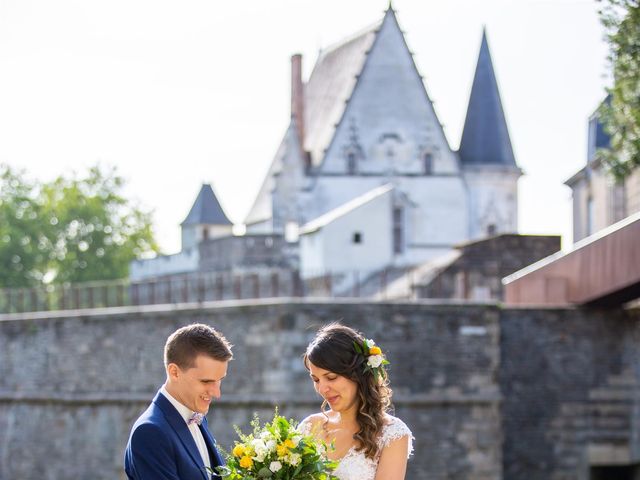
<point x="196" y="418"/>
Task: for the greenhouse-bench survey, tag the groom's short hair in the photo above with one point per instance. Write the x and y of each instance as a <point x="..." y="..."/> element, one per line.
<point x="186" y="343"/>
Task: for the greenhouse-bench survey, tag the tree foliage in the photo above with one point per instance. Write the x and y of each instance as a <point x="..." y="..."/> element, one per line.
<point x="621" y="116"/>
<point x="21" y="238"/>
<point x="72" y="229"/>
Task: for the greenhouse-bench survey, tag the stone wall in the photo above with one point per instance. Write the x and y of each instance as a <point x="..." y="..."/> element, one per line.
<point x="477" y="274"/>
<point x="215" y="286"/>
<point x="489" y="393"/>
<point x="72" y="385"/>
<point x="570" y="381"/>
<point x="247" y="252"/>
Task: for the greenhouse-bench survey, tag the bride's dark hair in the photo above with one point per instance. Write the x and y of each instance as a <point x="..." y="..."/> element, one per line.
<point x="333" y="349"/>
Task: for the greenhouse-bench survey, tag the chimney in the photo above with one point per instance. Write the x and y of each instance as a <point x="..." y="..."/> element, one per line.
<point x="297" y="95"/>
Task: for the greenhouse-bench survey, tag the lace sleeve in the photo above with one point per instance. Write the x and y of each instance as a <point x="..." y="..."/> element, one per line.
<point x="304" y="427"/>
<point x="394" y="430"/>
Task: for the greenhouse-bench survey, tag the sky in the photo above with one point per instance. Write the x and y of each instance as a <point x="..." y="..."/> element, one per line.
<point x="176" y="94"/>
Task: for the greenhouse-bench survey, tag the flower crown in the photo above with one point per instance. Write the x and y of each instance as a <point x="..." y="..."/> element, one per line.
<point x="375" y="359"/>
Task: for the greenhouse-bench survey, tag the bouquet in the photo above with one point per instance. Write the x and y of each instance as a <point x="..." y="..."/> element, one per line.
<point x="277" y="451"/>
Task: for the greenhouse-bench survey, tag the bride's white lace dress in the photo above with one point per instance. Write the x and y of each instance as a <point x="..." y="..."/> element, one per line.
<point x="356" y="466"/>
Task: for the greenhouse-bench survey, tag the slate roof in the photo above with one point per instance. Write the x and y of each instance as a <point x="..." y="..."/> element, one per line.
<point x="206" y="210"/>
<point x="330" y="86"/>
<point x="603" y="139"/>
<point x="261" y="209"/>
<point x="598" y="137"/>
<point x="485" y="137"/>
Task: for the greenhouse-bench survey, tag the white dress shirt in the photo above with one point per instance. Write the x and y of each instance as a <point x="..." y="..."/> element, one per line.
<point x="186" y="414"/>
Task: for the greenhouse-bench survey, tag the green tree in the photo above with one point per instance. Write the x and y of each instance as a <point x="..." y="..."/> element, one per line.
<point x="621" y="116"/>
<point x="72" y="229"/>
<point x="22" y="240"/>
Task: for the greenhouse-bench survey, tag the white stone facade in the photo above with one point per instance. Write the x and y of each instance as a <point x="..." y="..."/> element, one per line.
<point x="598" y="199"/>
<point x="364" y="178"/>
<point x="369" y="122"/>
<point x="493" y="200"/>
<point x="352" y="239"/>
<point x="184" y="262"/>
<point x="192" y="235"/>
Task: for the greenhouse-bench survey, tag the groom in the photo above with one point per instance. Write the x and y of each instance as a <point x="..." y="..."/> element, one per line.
<point x="170" y="440"/>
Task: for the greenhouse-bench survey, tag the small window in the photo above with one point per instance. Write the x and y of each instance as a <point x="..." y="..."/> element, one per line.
<point x="357" y="237"/>
<point x="491" y="230"/>
<point x="398" y="230"/>
<point x="205" y="234"/>
<point x="428" y="163"/>
<point x="351" y="163"/>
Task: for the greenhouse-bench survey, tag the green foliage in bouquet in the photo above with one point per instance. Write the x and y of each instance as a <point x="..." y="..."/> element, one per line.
<point x="277" y="451"/>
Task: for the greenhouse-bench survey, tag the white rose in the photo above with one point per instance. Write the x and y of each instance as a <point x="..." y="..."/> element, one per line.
<point x="275" y="466"/>
<point x="260" y="448"/>
<point x="296" y="439"/>
<point x="271" y="445"/>
<point x="374" y="361"/>
<point x="294" y="459"/>
<point x="371" y="343"/>
<point x="258" y="445"/>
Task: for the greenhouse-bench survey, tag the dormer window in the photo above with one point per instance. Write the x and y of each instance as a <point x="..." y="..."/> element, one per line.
<point x="351" y="163"/>
<point x="427" y="163"/>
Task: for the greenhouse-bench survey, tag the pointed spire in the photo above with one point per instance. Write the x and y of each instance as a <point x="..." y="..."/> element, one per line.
<point x="206" y="210"/>
<point x="390" y="13"/>
<point x="485" y="137"/>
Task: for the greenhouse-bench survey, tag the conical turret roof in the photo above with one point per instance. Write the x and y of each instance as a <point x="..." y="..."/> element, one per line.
<point x="485" y="137"/>
<point x="206" y="210"/>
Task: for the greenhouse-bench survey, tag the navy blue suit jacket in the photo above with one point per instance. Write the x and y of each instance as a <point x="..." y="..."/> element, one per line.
<point x="161" y="446"/>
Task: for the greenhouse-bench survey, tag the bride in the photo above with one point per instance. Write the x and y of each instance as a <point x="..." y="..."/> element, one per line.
<point x="348" y="371"/>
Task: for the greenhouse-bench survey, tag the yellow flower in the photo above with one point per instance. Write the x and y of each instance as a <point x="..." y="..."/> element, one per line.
<point x="289" y="443"/>
<point x="282" y="450"/>
<point x="238" y="450"/>
<point x="246" y="462"/>
<point x="375" y="351"/>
